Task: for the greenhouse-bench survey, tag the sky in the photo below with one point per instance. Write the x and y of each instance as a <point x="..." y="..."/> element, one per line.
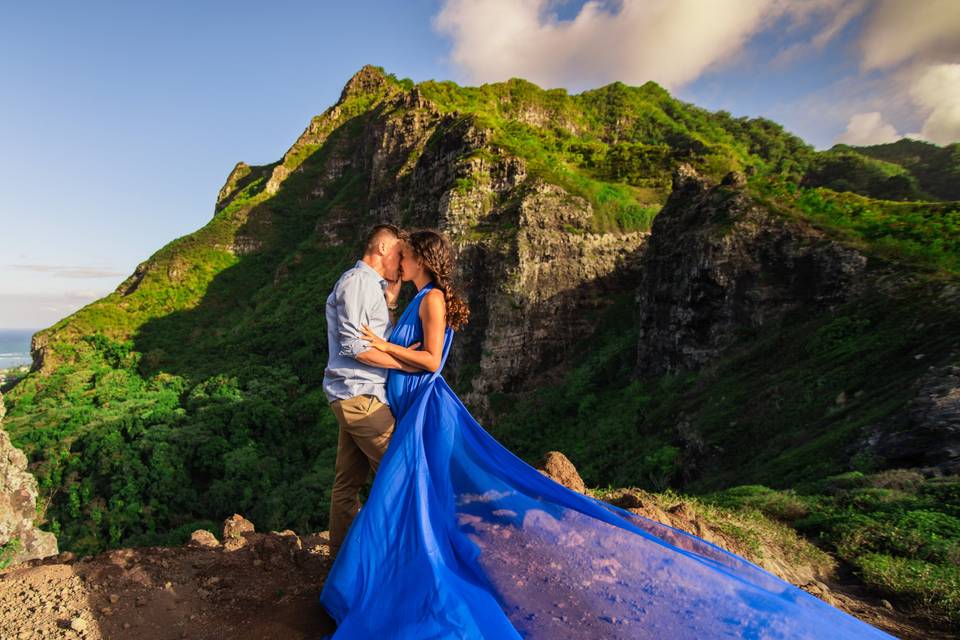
<point x="120" y="121"/>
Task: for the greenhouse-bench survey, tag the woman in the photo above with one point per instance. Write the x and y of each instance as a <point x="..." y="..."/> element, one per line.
<point x="459" y="538"/>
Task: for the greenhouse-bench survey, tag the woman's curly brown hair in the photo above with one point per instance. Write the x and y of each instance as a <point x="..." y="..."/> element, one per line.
<point x="434" y="252"/>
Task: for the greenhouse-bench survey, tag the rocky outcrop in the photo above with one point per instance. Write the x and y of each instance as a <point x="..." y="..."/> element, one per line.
<point x="926" y="433"/>
<point x="18" y="505"/>
<point x="717" y="263"/>
<point x="240" y="171"/>
<point x="773" y="546"/>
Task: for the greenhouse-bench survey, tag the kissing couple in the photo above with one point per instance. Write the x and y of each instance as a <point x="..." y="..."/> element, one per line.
<point x="361" y="313"/>
<point x="459" y="538"/>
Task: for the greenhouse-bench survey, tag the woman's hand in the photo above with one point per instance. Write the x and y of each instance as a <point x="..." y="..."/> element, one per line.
<point x="379" y="343"/>
<point x="375" y="341"/>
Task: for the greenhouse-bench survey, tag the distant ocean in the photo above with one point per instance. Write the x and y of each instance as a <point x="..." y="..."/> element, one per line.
<point x="15" y="347"/>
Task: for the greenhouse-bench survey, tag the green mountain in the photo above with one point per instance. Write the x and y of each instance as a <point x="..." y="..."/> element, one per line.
<point x="661" y="292"/>
<point x="902" y="170"/>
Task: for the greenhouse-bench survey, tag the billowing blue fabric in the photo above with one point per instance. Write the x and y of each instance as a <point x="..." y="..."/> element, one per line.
<point x="459" y="538"/>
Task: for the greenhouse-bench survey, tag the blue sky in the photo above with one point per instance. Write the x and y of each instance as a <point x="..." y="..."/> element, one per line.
<point x="120" y="121"/>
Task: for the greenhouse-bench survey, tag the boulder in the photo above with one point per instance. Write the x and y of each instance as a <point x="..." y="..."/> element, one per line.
<point x="235" y="526"/>
<point x="558" y="468"/>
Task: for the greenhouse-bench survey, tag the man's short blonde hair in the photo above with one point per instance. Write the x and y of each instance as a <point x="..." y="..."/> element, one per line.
<point x="380" y="233"/>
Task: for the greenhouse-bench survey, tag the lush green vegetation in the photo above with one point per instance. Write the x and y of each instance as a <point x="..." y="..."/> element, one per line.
<point x="8" y="550"/>
<point x="936" y="170"/>
<point x="899" y="531"/>
<point x="921" y="234"/>
<point x="617" y="146"/>
<point x="767" y="413"/>
<point x="843" y="169"/>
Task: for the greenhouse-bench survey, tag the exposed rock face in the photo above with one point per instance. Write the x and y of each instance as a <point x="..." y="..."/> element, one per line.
<point x="532" y="290"/>
<point x="18" y="503"/>
<point x="717" y="262"/>
<point x="926" y="434"/>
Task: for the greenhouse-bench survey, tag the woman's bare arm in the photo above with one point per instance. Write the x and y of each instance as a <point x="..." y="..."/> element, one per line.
<point x="377" y="358"/>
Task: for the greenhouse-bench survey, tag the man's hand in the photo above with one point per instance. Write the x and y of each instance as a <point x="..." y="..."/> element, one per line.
<point x="392" y="291"/>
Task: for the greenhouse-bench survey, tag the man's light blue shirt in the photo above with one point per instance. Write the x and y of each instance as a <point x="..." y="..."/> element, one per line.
<point x="357" y="299"/>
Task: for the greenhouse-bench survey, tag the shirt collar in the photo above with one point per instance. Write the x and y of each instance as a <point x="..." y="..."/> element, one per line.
<point x="363" y="266"/>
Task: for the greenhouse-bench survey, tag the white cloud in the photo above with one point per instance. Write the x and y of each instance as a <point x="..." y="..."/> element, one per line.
<point x="69" y="271"/>
<point x="868" y="128"/>
<point x="908" y="50"/>
<point x="898" y="31"/>
<point x="669" y="41"/>
<point x="937" y="90"/>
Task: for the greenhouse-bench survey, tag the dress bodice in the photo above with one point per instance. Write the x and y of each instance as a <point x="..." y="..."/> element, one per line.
<point x="403" y="387"/>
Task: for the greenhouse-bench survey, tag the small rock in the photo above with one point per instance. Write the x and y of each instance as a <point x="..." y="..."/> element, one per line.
<point x="234" y="543"/>
<point x="203" y="538"/>
<point x="78" y="624"/>
<point x="114" y="598"/>
<point x="886" y="605"/>
<point x="235" y="526"/>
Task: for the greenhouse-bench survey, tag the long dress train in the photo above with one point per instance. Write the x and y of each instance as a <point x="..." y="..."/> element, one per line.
<point x="459" y="538"/>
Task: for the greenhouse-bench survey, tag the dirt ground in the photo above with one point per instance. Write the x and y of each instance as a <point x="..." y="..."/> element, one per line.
<point x="252" y="587"/>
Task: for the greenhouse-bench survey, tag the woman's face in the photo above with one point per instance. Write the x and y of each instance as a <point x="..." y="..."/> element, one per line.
<point x="409" y="267"/>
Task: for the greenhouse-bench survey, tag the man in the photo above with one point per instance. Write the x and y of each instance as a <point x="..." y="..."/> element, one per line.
<point x="355" y="378"/>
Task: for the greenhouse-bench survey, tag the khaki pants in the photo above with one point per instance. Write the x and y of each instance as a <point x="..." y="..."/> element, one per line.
<point x="366" y="425"/>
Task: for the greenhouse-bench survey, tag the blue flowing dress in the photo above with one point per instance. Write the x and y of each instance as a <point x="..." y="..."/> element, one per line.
<point x="460" y="539"/>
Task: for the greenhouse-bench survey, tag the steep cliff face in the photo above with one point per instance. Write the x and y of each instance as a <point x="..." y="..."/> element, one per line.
<point x="18" y="505"/>
<point x="926" y="432"/>
<point x="718" y="263"/>
<point x="529" y="262"/>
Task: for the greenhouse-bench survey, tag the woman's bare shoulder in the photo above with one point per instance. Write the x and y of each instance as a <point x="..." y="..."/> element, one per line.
<point x="434" y="301"/>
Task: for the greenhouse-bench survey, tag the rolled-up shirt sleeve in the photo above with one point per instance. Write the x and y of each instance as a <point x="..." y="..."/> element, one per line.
<point x="353" y="298"/>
